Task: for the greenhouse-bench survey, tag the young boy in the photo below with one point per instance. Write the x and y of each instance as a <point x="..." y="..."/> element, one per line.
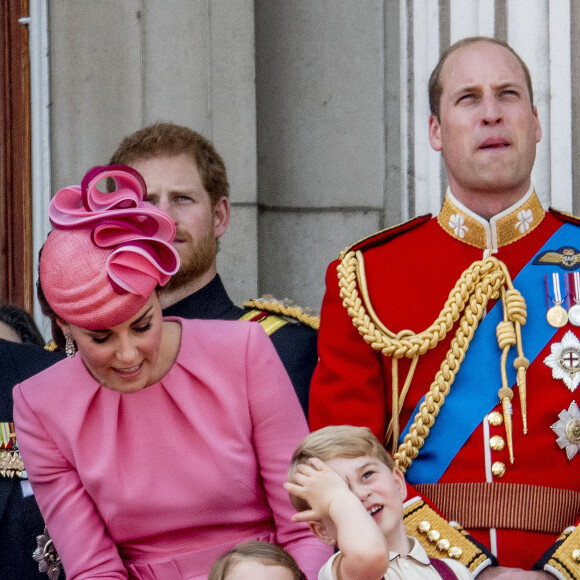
<point x="343" y="482"/>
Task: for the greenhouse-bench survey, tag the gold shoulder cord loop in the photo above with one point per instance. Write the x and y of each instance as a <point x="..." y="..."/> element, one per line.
<point x="392" y="432"/>
<point x="484" y="280"/>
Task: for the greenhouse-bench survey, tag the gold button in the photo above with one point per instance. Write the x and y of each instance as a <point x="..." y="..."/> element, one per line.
<point x="498" y="469"/>
<point x="455" y="552"/>
<point x="495" y="419"/>
<point x="443" y="545"/>
<point x="433" y="536"/>
<point x="576" y="555"/>
<point x="497" y="443"/>
<point x="424" y="527"/>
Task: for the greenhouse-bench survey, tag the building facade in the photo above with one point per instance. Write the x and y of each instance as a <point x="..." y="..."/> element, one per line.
<point x="319" y="109"/>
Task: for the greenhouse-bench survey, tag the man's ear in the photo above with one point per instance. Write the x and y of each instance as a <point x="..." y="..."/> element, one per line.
<point x="325" y="533"/>
<point x="221" y="216"/>
<point x="538" y="126"/>
<point x="435" y="132"/>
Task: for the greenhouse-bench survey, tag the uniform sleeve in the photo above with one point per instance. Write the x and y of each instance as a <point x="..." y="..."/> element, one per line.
<point x="75" y="526"/>
<point x="562" y="560"/>
<point x="296" y="347"/>
<point x="461" y="572"/>
<point x="348" y="382"/>
<point x="278" y="426"/>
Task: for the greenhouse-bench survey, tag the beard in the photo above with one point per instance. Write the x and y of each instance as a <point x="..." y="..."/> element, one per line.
<point x="196" y="258"/>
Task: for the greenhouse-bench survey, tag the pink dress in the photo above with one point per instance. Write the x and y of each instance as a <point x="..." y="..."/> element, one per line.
<point x="159" y="483"/>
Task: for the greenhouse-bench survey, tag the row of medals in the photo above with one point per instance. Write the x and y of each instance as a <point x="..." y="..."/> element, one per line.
<point x="558" y="316"/>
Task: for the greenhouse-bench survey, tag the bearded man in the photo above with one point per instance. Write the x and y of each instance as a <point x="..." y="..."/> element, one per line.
<point x="187" y="179"/>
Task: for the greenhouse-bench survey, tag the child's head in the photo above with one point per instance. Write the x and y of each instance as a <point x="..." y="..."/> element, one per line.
<point x="256" y="561"/>
<point x="356" y="455"/>
<point x="336" y="441"/>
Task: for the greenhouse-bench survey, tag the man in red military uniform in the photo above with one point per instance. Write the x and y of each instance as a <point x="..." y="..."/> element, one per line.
<point x="455" y="338"/>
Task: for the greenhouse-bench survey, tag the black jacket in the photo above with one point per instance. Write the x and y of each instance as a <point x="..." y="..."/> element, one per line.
<point x="296" y="343"/>
<point x="20" y="519"/>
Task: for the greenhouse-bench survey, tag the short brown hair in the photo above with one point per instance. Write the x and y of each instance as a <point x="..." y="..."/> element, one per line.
<point x="336" y="441"/>
<point x="435" y="86"/>
<point x="263" y="552"/>
<point x="169" y="139"/>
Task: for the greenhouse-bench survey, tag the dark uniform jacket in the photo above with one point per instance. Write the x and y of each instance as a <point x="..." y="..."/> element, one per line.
<point x="20" y="519"/>
<point x="295" y="342"/>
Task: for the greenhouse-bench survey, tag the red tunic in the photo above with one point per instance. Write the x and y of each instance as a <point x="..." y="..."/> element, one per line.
<point x="409" y="277"/>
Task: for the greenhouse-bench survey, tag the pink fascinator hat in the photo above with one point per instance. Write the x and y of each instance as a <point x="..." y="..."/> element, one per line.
<point x="107" y="252"/>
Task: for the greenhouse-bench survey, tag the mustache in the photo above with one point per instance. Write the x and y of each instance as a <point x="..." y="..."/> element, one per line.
<point x="183" y="235"/>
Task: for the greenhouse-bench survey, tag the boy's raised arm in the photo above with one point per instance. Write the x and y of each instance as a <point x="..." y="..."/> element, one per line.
<point x="338" y="517"/>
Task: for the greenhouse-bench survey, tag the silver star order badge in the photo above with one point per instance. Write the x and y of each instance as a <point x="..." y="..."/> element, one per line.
<point x="564" y="360"/>
<point x="568" y="430"/>
<point x="47" y="556"/>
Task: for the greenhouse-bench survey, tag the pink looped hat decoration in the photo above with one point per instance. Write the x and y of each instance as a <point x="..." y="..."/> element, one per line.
<point x="107" y="252"/>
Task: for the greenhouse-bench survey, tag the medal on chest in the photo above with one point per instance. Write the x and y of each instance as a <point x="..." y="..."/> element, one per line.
<point x="10" y="461"/>
<point x="564" y="360"/>
<point x="567" y="428"/>
<point x="556" y="315"/>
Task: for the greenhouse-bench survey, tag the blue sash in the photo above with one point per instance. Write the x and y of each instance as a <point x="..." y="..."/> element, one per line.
<point x="480" y="371"/>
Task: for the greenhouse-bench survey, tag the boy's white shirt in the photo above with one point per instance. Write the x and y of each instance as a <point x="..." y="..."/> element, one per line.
<point x="414" y="566"/>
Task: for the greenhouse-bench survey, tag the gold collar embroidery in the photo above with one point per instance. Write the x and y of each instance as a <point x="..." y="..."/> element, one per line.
<point x="505" y="228"/>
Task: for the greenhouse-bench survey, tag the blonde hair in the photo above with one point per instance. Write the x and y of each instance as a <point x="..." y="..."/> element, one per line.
<point x="336" y="441"/>
<point x="263" y="552"/>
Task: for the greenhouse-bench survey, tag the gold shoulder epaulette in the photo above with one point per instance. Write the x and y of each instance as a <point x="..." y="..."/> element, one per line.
<point x="440" y="539"/>
<point x="269" y="322"/>
<point x="387" y="234"/>
<point x="565" y="561"/>
<point x="285" y="308"/>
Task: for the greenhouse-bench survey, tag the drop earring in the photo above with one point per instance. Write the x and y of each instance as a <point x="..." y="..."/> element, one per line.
<point x="69" y="347"/>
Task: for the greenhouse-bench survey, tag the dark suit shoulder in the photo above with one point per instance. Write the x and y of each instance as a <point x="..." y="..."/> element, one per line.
<point x="293" y="332"/>
<point x="19" y="362"/>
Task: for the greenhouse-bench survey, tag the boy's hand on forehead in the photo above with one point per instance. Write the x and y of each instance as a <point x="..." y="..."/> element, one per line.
<point x="320" y="485"/>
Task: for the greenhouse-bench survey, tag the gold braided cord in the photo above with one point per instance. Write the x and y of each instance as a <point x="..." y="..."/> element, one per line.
<point x="397" y="402"/>
<point x="517" y="312"/>
<point x="285" y="307"/>
<point x="481" y="282"/>
<point x="406" y="343"/>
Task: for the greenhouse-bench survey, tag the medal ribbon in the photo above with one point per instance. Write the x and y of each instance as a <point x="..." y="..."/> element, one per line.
<point x="553" y="289"/>
<point x="480" y="372"/>
<point x="7" y="436"/>
<point x="573" y="281"/>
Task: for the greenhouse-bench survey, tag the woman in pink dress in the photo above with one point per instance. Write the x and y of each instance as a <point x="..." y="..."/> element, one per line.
<point x="164" y="442"/>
